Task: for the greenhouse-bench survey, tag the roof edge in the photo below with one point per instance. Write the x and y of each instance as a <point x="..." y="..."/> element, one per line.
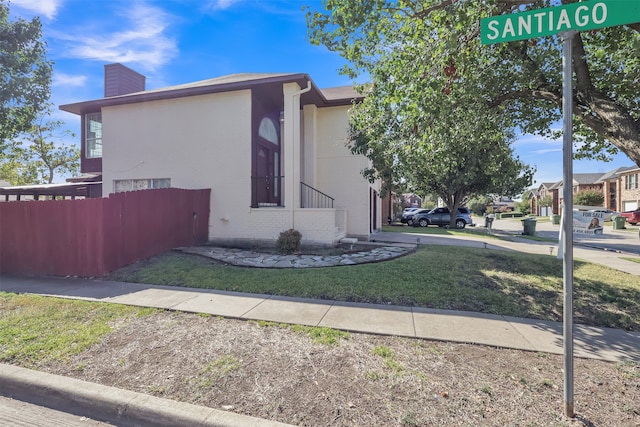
<point x="181" y="91"/>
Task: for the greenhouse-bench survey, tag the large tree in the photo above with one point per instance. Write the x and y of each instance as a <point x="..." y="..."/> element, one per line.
<point x="49" y="154"/>
<point x="446" y="144"/>
<point x="436" y="43"/>
<point x="37" y="155"/>
<point x="25" y="75"/>
<point x="426" y="123"/>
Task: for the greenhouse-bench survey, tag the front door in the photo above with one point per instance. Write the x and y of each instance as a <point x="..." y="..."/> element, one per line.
<point x="268" y="179"/>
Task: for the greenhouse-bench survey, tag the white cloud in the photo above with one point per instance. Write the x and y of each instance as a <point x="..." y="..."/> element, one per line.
<point x="547" y="150"/>
<point x="47" y="8"/>
<point x="61" y="79"/>
<point x="222" y="4"/>
<point x="142" y="39"/>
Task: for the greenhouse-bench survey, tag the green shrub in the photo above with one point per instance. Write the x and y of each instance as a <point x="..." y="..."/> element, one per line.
<point x="289" y="241"/>
<point x="588" y="198"/>
<point x="511" y="215"/>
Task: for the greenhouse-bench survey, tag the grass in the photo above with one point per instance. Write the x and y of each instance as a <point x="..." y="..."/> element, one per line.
<point x="321" y="335"/>
<point x="35" y="329"/>
<point x="444" y="277"/>
<point x="318" y="334"/>
<point x="389" y="358"/>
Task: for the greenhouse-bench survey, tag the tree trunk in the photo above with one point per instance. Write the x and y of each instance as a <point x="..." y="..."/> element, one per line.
<point x="601" y="113"/>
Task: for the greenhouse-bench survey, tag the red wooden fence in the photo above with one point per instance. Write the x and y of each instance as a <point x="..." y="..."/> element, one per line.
<point x="93" y="237"/>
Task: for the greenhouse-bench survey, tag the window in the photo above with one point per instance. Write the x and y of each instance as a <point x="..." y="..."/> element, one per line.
<point x="631" y="182"/>
<point x="122" y="185"/>
<point x="268" y="130"/>
<point x="93" y="135"/>
<point x="267" y="164"/>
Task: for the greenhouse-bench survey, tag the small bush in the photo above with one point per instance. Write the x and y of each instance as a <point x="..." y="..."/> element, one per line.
<point x="588" y="198"/>
<point x="289" y="241"/>
<point x="512" y="215"/>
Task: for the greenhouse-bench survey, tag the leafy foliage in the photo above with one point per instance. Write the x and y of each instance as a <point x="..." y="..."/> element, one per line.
<point x="25" y="74"/>
<point x="478" y="205"/>
<point x="523" y="207"/>
<point x="49" y="157"/>
<point x="38" y="154"/>
<point x="588" y="198"/>
<point x="423" y="121"/>
<point x="546" y="201"/>
<point x="421" y="49"/>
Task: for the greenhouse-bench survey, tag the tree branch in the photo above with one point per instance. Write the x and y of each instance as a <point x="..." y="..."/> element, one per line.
<point x="580" y="66"/>
<point x="518" y="94"/>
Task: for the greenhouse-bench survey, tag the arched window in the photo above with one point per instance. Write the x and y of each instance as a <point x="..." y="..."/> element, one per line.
<point x="268" y="130"/>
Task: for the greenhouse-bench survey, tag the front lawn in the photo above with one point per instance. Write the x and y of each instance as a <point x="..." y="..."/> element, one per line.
<point x="444" y="277"/>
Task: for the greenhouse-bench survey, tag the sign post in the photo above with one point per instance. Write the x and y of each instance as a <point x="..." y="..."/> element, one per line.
<point x="567" y="217"/>
<point x="565" y="20"/>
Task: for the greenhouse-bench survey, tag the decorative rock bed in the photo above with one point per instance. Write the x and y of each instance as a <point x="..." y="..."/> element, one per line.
<point x="250" y="258"/>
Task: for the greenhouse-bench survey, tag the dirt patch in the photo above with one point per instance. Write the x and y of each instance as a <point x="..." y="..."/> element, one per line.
<point x="274" y="372"/>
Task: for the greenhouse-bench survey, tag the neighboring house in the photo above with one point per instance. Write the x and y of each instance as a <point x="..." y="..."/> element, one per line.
<point x="619" y="187"/>
<point x="582" y="182"/>
<point x="272" y="148"/>
<point x="410" y="200"/>
<point x="613" y="188"/>
<point x="503" y="204"/>
<point x="629" y="189"/>
<point x="546" y="189"/>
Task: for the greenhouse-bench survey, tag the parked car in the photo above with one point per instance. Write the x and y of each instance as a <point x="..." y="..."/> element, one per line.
<point x="407" y="213"/>
<point x="442" y="218"/>
<point x="633" y="217"/>
<point x="608" y="213"/>
<point x="412" y="215"/>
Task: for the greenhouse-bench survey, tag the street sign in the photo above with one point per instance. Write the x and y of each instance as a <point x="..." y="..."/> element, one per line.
<point x="567" y="19"/>
<point x="586" y="15"/>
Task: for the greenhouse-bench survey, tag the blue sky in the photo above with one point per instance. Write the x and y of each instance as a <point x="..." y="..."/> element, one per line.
<point x="179" y="41"/>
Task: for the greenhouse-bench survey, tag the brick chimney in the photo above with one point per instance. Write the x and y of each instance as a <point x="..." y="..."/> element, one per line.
<point x="121" y="80"/>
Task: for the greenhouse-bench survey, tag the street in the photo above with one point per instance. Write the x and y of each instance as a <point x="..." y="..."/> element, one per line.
<point x="17" y="413"/>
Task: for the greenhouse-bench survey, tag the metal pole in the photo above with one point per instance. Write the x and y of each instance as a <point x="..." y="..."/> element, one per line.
<point x="567" y="217"/>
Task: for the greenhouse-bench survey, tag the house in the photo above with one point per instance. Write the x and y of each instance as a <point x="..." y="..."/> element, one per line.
<point x="619" y="187"/>
<point x="271" y="147"/>
<point x="503" y="204"/>
<point x="547" y="191"/>
<point x="629" y="198"/>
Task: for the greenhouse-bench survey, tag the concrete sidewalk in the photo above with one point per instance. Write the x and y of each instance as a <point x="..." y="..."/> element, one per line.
<point x="612" y="249"/>
<point x="457" y="326"/>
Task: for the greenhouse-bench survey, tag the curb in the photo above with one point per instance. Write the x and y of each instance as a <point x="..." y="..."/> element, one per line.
<point x="112" y="405"/>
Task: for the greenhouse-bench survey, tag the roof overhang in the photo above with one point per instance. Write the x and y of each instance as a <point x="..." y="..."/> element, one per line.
<point x="69" y="189"/>
<point x="329" y="97"/>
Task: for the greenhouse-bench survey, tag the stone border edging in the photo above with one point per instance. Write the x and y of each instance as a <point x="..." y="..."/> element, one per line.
<point x="249" y="258"/>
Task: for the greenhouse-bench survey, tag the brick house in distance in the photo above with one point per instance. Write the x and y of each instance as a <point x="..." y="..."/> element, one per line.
<point x="619" y="187"/>
<point x="629" y="198"/>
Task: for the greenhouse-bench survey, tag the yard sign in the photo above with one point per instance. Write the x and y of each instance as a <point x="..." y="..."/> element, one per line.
<point x="565" y="20"/>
